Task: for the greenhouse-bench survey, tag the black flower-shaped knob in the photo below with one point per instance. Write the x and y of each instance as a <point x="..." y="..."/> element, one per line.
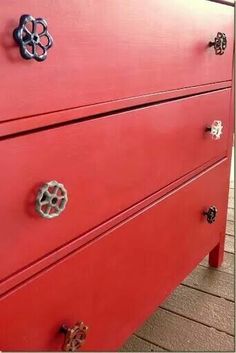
<point x="210" y="214"/>
<point x="219" y="44"/>
<point x="33" y="38"/>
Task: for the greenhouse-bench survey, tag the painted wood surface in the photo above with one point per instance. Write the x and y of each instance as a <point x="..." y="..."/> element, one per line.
<point x="15" y="127"/>
<point x="153" y="237"/>
<point x="111" y="50"/>
<point x="133" y="155"/>
<point x="201" y="306"/>
<point x="188" y="66"/>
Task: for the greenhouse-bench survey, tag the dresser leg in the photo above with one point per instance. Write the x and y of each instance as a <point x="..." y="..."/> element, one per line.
<point x="216" y="255"/>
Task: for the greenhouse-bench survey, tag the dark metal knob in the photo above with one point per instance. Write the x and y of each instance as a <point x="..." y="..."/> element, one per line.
<point x="210" y="214"/>
<point x="74" y="336"/>
<point x="33" y="38"/>
<point x="219" y="44"/>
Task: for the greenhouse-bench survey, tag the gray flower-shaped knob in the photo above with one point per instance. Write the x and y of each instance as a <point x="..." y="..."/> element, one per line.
<point x="51" y="199"/>
<point x="33" y="38"/>
<point x="216" y="129"/>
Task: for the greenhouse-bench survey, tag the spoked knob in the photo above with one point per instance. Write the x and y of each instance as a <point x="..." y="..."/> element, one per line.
<point x="210" y="214"/>
<point x="51" y="199"/>
<point x="219" y="44"/>
<point x="74" y="336"/>
<point x="216" y="129"/>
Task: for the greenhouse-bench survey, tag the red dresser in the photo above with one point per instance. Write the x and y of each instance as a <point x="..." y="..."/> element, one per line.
<point x="116" y="127"/>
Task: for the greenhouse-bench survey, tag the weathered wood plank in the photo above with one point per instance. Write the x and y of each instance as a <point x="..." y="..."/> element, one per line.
<point x="232" y="169"/>
<point x="176" y="333"/>
<point x="213" y="282"/>
<point x="230" y="228"/>
<point x="230" y="214"/>
<point x="231" y="198"/>
<point x="229" y="244"/>
<point x="202" y="307"/>
<point x="136" y="344"/>
<point x="227" y="266"/>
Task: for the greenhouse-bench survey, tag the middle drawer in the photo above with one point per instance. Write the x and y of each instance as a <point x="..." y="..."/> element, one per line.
<point x="106" y="165"/>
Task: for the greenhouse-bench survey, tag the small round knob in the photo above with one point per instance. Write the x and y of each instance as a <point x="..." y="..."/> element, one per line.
<point x="219" y="44"/>
<point x="210" y="214"/>
<point x="74" y="336"/>
<point x="216" y="129"/>
<point x="31" y="35"/>
<point x="51" y="199"/>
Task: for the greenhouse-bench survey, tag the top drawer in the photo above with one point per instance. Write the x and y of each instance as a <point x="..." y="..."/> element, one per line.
<point x="108" y="50"/>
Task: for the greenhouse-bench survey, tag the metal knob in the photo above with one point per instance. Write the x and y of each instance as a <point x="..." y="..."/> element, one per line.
<point x="74" y="336"/>
<point x="210" y="214"/>
<point x="51" y="199"/>
<point x="219" y="44"/>
<point x="33" y="38"/>
<point x="216" y="129"/>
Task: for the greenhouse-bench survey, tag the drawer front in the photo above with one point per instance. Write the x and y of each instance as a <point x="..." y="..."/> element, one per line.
<point x="111" y="50"/>
<point x="106" y="166"/>
<point x="107" y="283"/>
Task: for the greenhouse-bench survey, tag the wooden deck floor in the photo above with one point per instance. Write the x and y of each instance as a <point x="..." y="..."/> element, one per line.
<point x="199" y="314"/>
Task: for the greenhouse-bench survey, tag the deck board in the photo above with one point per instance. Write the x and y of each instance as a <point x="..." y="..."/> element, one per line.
<point x="176" y="333"/>
<point x="210" y="281"/>
<point x="230" y="228"/>
<point x="136" y="344"/>
<point x="230" y="214"/>
<point x="229" y="244"/>
<point x="202" y="307"/>
<point x="231" y="198"/>
<point x="227" y="266"/>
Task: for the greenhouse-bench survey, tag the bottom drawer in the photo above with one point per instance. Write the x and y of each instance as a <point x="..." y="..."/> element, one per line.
<point x="114" y="283"/>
